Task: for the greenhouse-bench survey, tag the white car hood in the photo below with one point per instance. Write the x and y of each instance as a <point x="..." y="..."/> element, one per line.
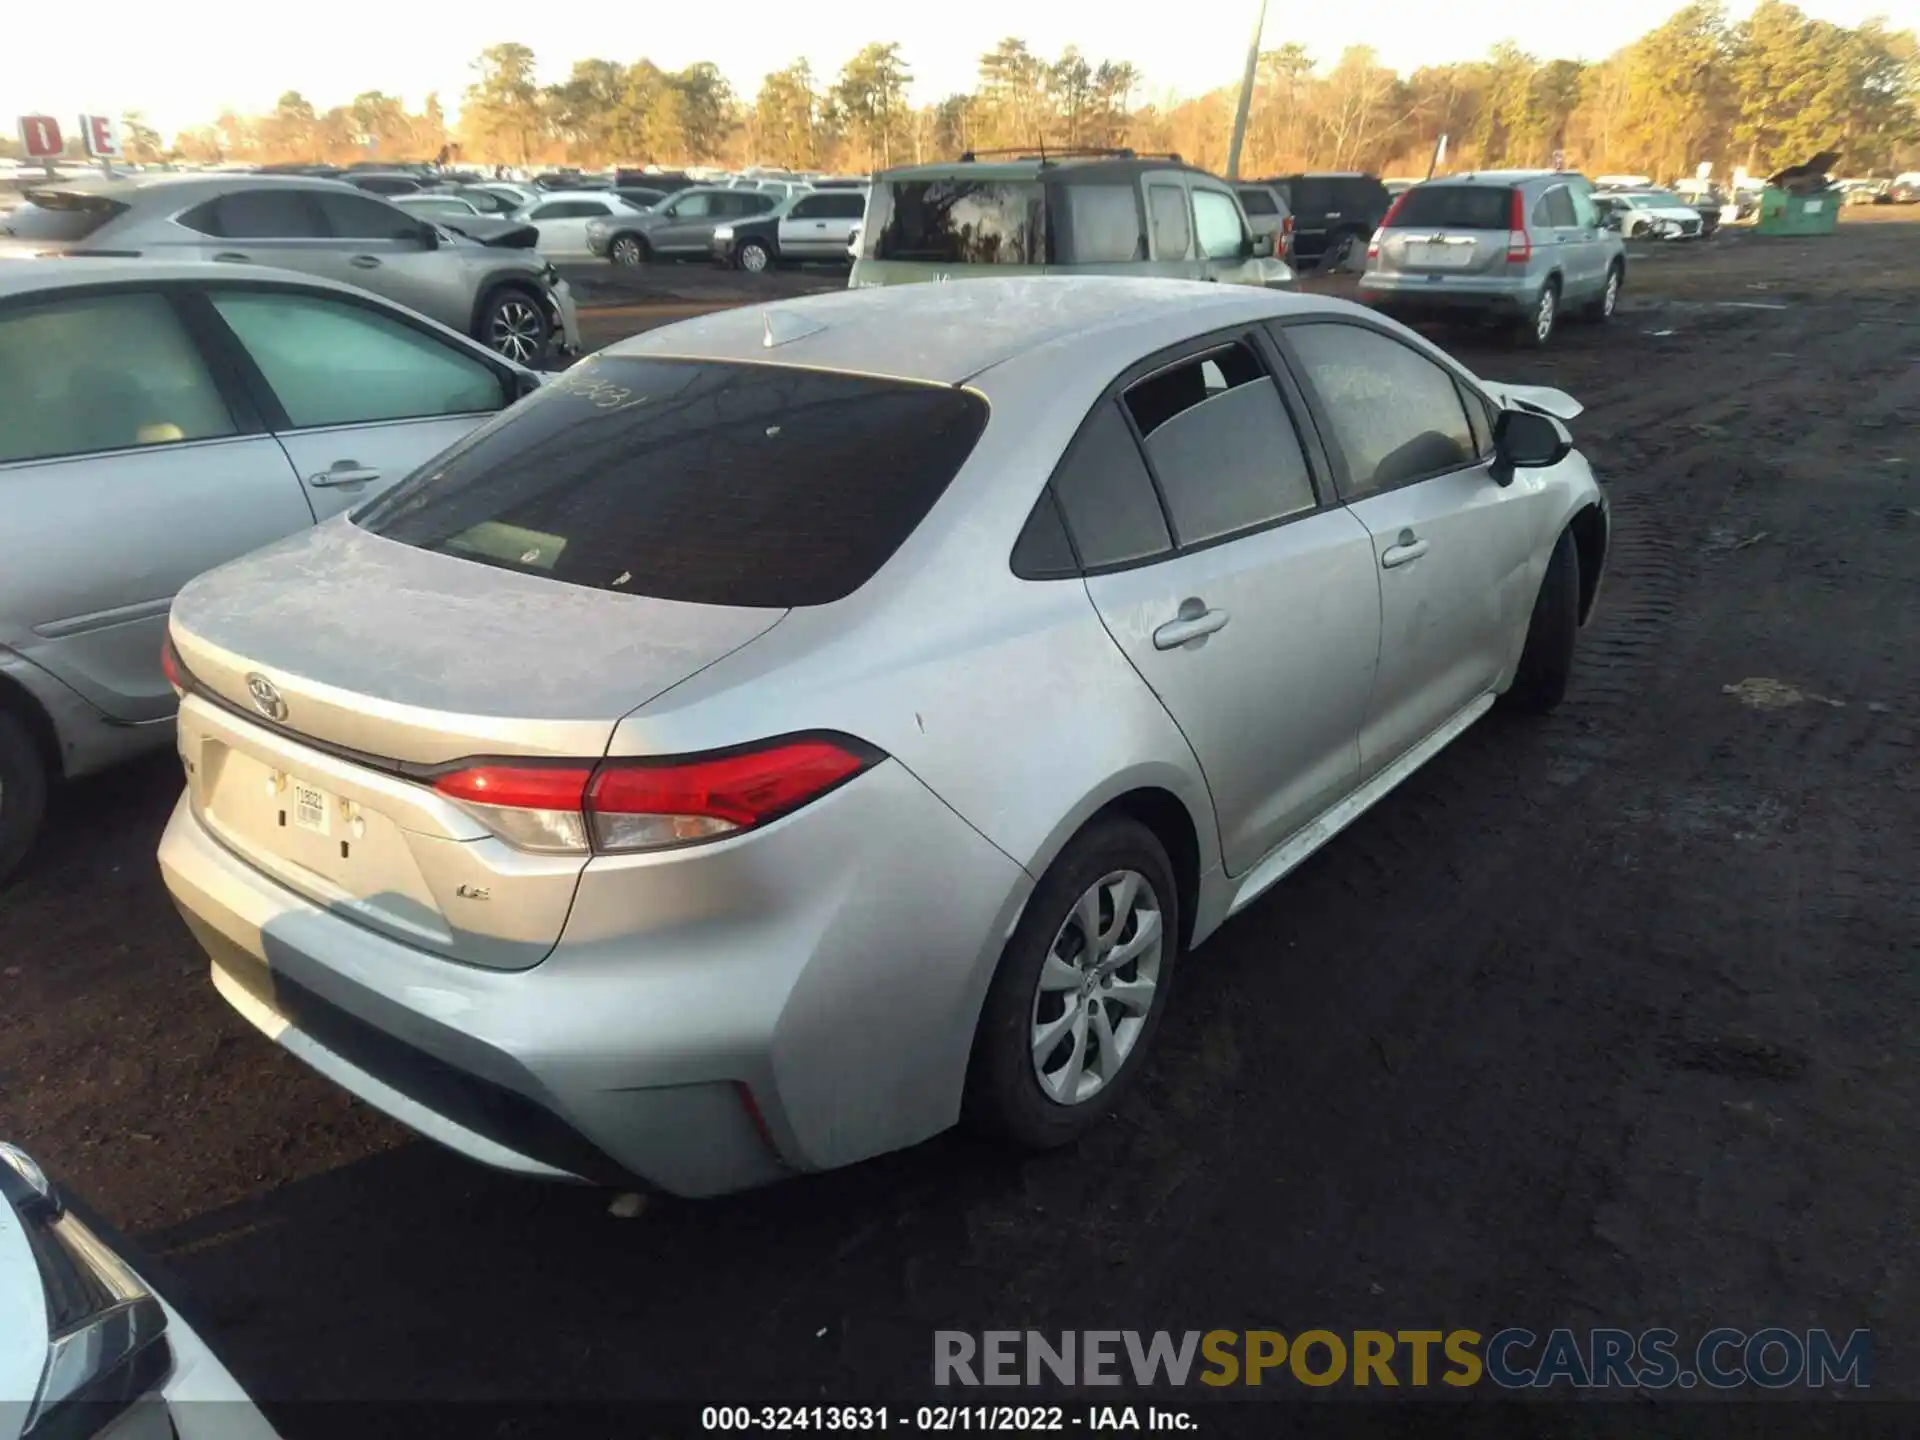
<point x="23" y="1325"/>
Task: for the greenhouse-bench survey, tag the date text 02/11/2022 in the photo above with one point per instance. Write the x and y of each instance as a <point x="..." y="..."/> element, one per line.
<point x="942" y="1419"/>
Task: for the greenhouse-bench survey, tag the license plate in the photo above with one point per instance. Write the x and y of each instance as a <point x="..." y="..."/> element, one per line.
<point x="312" y="810"/>
<point x="1440" y="255"/>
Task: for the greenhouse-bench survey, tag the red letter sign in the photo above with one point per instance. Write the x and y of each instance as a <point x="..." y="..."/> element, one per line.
<point x="40" y="137"/>
<point x="101" y="136"/>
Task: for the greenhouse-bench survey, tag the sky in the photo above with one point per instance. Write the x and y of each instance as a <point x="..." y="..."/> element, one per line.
<point x="182" y="65"/>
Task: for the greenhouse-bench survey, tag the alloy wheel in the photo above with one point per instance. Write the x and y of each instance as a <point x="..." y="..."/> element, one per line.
<point x="626" y="251"/>
<point x="753" y="258"/>
<point x="1543" y="316"/>
<point x="1096" y="988"/>
<point x="517" y="331"/>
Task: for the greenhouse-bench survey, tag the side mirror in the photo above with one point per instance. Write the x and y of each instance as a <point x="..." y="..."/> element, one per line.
<point x="1249" y="248"/>
<point x="429" y="238"/>
<point x="1527" y="440"/>
<point x="1263" y="247"/>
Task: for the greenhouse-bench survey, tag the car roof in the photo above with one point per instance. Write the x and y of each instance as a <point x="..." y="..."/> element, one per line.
<point x="948" y="334"/>
<point x="184" y="186"/>
<point x="1068" y="169"/>
<point x="24" y="277"/>
<point x="546" y="197"/>
<point x="1499" y="178"/>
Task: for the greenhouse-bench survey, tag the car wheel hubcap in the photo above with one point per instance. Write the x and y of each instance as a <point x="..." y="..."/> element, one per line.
<point x="1612" y="297"/>
<point x="516" y="330"/>
<point x="1096" y="988"/>
<point x="626" y="252"/>
<point x="1543" y="320"/>
<point x="753" y="258"/>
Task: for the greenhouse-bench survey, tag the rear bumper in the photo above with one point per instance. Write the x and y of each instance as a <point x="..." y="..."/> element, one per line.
<point x="1442" y="297"/>
<point x="831" y="968"/>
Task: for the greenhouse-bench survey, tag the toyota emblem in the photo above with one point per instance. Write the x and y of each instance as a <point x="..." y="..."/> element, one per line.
<point x="266" y="696"/>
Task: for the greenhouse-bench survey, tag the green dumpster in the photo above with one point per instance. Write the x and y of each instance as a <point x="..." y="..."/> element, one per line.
<point x="1784" y="213"/>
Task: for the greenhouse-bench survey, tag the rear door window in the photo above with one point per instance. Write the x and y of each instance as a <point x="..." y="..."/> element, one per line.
<point x="1097" y="224"/>
<point x="702" y="482"/>
<point x="964" y="222"/>
<point x="258" y="215"/>
<point x="1560" y="208"/>
<point x="1258" y="202"/>
<point x="1217" y="223"/>
<point x="102" y="372"/>
<point x="1222" y="445"/>
<point x="1455" y="207"/>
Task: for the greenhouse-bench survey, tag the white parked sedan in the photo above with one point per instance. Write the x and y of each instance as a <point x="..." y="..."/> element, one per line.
<point x="562" y="216"/>
<point x="800" y="727"/>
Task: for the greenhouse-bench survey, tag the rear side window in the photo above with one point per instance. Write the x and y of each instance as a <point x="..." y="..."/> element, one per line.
<point x="964" y="222"/>
<point x="1458" y="207"/>
<point x="712" y="484"/>
<point x="1218" y="224"/>
<point x="1097" y="224"/>
<point x="1258" y="202"/>
<point x="1107" y="495"/>
<point x="1559" y="208"/>
<point x="1222" y="445"/>
<point x="60" y="218"/>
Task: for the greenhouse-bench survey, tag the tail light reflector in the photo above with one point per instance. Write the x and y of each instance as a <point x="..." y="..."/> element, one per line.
<point x="620" y="806"/>
<point x="171" y="667"/>
<point x="1386" y="223"/>
<point x="1519" y="244"/>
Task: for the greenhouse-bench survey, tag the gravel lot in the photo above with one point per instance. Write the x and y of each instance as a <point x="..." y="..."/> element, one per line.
<point x="1603" y="1021"/>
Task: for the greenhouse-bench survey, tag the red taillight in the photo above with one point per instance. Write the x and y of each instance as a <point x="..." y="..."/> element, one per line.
<point x="1386" y="221"/>
<point x="1519" y="244"/>
<point x="626" y="805"/>
<point x="171" y="667"/>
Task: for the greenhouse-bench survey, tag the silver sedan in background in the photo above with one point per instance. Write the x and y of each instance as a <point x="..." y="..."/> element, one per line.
<point x="800" y="728"/>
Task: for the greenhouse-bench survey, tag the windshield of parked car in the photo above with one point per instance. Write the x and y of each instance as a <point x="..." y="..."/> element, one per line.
<point x="708" y="483"/>
<point x="1462" y="207"/>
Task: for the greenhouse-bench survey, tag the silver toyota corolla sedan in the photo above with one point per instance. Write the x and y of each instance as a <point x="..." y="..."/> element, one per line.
<point x="800" y="728"/>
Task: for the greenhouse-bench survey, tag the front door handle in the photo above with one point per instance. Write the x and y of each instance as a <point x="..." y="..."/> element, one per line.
<point x="1407" y="546"/>
<point x="232" y="257"/>
<point x="365" y="262"/>
<point x="1194" y="622"/>
<point x="343" y="472"/>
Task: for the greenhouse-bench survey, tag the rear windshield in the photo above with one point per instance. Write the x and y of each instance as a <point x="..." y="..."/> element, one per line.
<point x="961" y="222"/>
<point x="1464" y="207"/>
<point x="714" y="484"/>
<point x="58" y="217"/>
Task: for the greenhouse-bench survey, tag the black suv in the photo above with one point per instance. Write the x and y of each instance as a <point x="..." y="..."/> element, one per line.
<point x="1332" y="213"/>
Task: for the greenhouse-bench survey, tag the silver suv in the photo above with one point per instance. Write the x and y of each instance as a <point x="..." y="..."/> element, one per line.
<point x="498" y="291"/>
<point x="1524" y="246"/>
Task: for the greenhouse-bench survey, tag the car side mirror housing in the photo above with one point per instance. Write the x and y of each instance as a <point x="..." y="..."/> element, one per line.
<point x="1249" y="247"/>
<point x="1527" y="440"/>
<point x="429" y="238"/>
<point x="1263" y="247"/>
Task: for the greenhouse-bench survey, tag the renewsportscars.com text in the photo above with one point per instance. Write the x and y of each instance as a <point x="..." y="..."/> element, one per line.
<point x="1771" y="1358"/>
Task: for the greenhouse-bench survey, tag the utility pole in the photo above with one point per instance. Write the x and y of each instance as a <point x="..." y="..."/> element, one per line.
<point x="1246" y="94"/>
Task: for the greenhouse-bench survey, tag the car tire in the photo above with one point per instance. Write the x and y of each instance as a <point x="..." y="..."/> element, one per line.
<point x="1546" y="664"/>
<point x="514" y="323"/>
<point x="1015" y="1091"/>
<point x="627" y="251"/>
<point x="1543" y="317"/>
<point x="23" y="793"/>
<point x="1602" y="309"/>
<point x="753" y="256"/>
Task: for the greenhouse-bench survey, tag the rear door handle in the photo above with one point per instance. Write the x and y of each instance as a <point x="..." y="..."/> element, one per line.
<point x="1407" y="546"/>
<point x="364" y="262"/>
<point x="343" y="472"/>
<point x="1176" y="633"/>
<point x="232" y="257"/>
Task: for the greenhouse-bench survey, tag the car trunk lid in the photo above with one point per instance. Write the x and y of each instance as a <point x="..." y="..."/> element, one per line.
<point x="335" y="674"/>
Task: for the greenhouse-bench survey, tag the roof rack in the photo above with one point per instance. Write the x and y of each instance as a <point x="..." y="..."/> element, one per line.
<point x="1070" y="152"/>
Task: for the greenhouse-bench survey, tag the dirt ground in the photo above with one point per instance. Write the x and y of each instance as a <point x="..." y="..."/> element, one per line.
<point x="1607" y="1020"/>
